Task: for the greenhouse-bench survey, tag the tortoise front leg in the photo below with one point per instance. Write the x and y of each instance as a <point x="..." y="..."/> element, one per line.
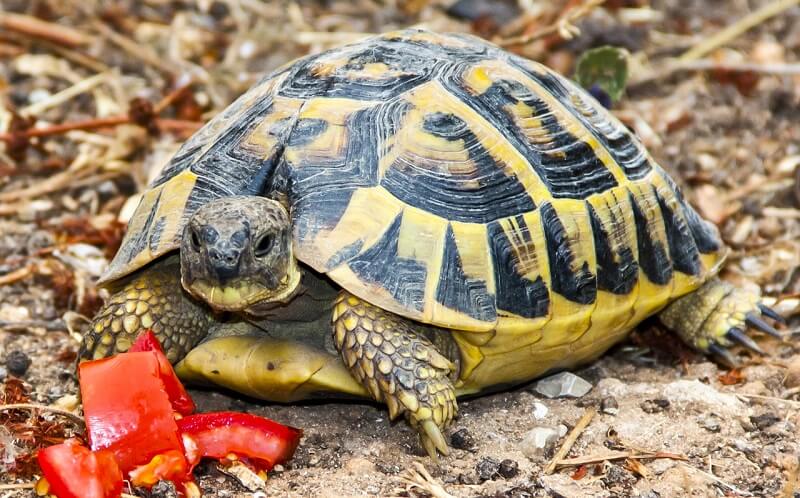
<point x="399" y="365"/>
<point x="152" y="299"/>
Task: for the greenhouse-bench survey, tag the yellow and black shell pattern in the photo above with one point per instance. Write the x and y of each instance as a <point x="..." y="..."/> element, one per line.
<point x="448" y="181"/>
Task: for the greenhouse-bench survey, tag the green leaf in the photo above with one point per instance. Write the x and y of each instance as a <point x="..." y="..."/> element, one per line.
<point x="604" y="67"/>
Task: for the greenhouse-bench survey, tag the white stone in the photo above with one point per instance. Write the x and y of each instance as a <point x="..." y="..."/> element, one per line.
<point x="694" y="391"/>
<point x="564" y="384"/>
<point x="539" y="411"/>
<point x="537" y="441"/>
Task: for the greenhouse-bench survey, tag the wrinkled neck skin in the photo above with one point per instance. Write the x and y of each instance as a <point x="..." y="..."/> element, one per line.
<point x="312" y="298"/>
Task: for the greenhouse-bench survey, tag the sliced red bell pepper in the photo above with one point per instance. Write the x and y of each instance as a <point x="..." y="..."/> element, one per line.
<point x="73" y="471"/>
<point x="180" y="399"/>
<point x="171" y="466"/>
<point x="218" y="434"/>
<point x="127" y="409"/>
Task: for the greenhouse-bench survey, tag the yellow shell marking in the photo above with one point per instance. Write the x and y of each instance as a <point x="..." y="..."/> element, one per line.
<point x="495" y="70"/>
<point x="432" y="97"/>
<point x="262" y="143"/>
<point x="569" y="320"/>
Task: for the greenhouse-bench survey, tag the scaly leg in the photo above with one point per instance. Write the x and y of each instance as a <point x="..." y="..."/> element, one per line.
<point x="152" y="299"/>
<point x="715" y="317"/>
<point x="399" y="365"/>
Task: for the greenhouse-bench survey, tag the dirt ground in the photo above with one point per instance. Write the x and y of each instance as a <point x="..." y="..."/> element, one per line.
<point x="725" y="125"/>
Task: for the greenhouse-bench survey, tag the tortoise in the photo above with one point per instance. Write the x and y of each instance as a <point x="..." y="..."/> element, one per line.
<point x="412" y="218"/>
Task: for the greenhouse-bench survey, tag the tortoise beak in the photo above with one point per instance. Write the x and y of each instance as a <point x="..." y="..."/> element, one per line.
<point x="224" y="261"/>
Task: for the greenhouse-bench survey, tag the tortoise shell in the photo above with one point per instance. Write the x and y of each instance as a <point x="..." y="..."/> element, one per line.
<point x="445" y="180"/>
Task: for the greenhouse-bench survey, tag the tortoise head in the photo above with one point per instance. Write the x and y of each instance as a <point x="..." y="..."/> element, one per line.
<point x="236" y="254"/>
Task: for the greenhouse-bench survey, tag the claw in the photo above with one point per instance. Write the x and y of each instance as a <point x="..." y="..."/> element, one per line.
<point x="432" y="438"/>
<point x="723" y="354"/>
<point x="757" y="323"/>
<point x="738" y="335"/>
<point x="771" y="313"/>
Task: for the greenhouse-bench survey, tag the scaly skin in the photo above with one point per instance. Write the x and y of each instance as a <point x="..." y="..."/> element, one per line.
<point x="399" y="366"/>
<point x="715" y="317"/>
<point x="152" y="299"/>
<point x="397" y="361"/>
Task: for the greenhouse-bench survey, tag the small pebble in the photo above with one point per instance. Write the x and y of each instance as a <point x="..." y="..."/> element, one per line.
<point x="792" y="378"/>
<point x="764" y="420"/>
<point x="745" y="447"/>
<point x="539" y="411"/>
<point x="508" y="468"/>
<point x="609" y="405"/>
<point x="536" y="442"/>
<point x="3" y="373"/>
<point x="487" y="469"/>
<point x="654" y="405"/>
<point x="164" y="489"/>
<point x="468" y="478"/>
<point x="562" y="430"/>
<point x="17" y="363"/>
<point x="462" y="440"/>
<point x="360" y="466"/>
<point x="710" y="424"/>
<point x="564" y="384"/>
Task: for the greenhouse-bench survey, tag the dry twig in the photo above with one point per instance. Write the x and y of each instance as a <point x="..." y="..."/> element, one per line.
<point x="37" y="28"/>
<point x="23" y="485"/>
<point x="16" y="275"/>
<point x="571" y="438"/>
<point x="719" y="481"/>
<point x="618" y="455"/>
<point x="51" y="409"/>
<point x="564" y="25"/>
<point x="419" y="477"/>
<point x="772" y="399"/>
<point x="673" y="66"/>
<point x="736" y="29"/>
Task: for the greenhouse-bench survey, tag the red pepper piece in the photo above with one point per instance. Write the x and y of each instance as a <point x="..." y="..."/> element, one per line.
<point x="218" y="434"/>
<point x="73" y="471"/>
<point x="171" y="466"/>
<point x="127" y="409"/>
<point x="180" y="399"/>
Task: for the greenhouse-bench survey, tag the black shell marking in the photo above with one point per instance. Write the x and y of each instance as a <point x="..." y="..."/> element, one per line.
<point x="442" y="179"/>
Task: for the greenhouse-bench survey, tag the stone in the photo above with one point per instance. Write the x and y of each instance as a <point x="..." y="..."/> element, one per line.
<point x="360" y="466"/>
<point x="710" y="423"/>
<point x="694" y="391"/>
<point x="764" y="420"/>
<point x="609" y="405"/>
<point x="487" y="469"/>
<point x="164" y="489"/>
<point x="562" y="385"/>
<point x="462" y="440"/>
<point x="654" y="405"/>
<point x="508" y="468"/>
<point x="538" y="441"/>
<point x="539" y="410"/>
<point x="792" y="378"/>
<point x="17" y="363"/>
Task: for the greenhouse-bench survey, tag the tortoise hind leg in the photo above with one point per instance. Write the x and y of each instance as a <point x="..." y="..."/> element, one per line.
<point x="152" y="299"/>
<point x="716" y="316"/>
<point x="399" y="365"/>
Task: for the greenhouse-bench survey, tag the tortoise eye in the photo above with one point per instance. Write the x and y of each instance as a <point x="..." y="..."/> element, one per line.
<point x="264" y="245"/>
<point x="195" y="240"/>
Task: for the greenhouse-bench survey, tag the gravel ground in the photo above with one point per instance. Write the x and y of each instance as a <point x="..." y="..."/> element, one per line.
<point x="729" y="137"/>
